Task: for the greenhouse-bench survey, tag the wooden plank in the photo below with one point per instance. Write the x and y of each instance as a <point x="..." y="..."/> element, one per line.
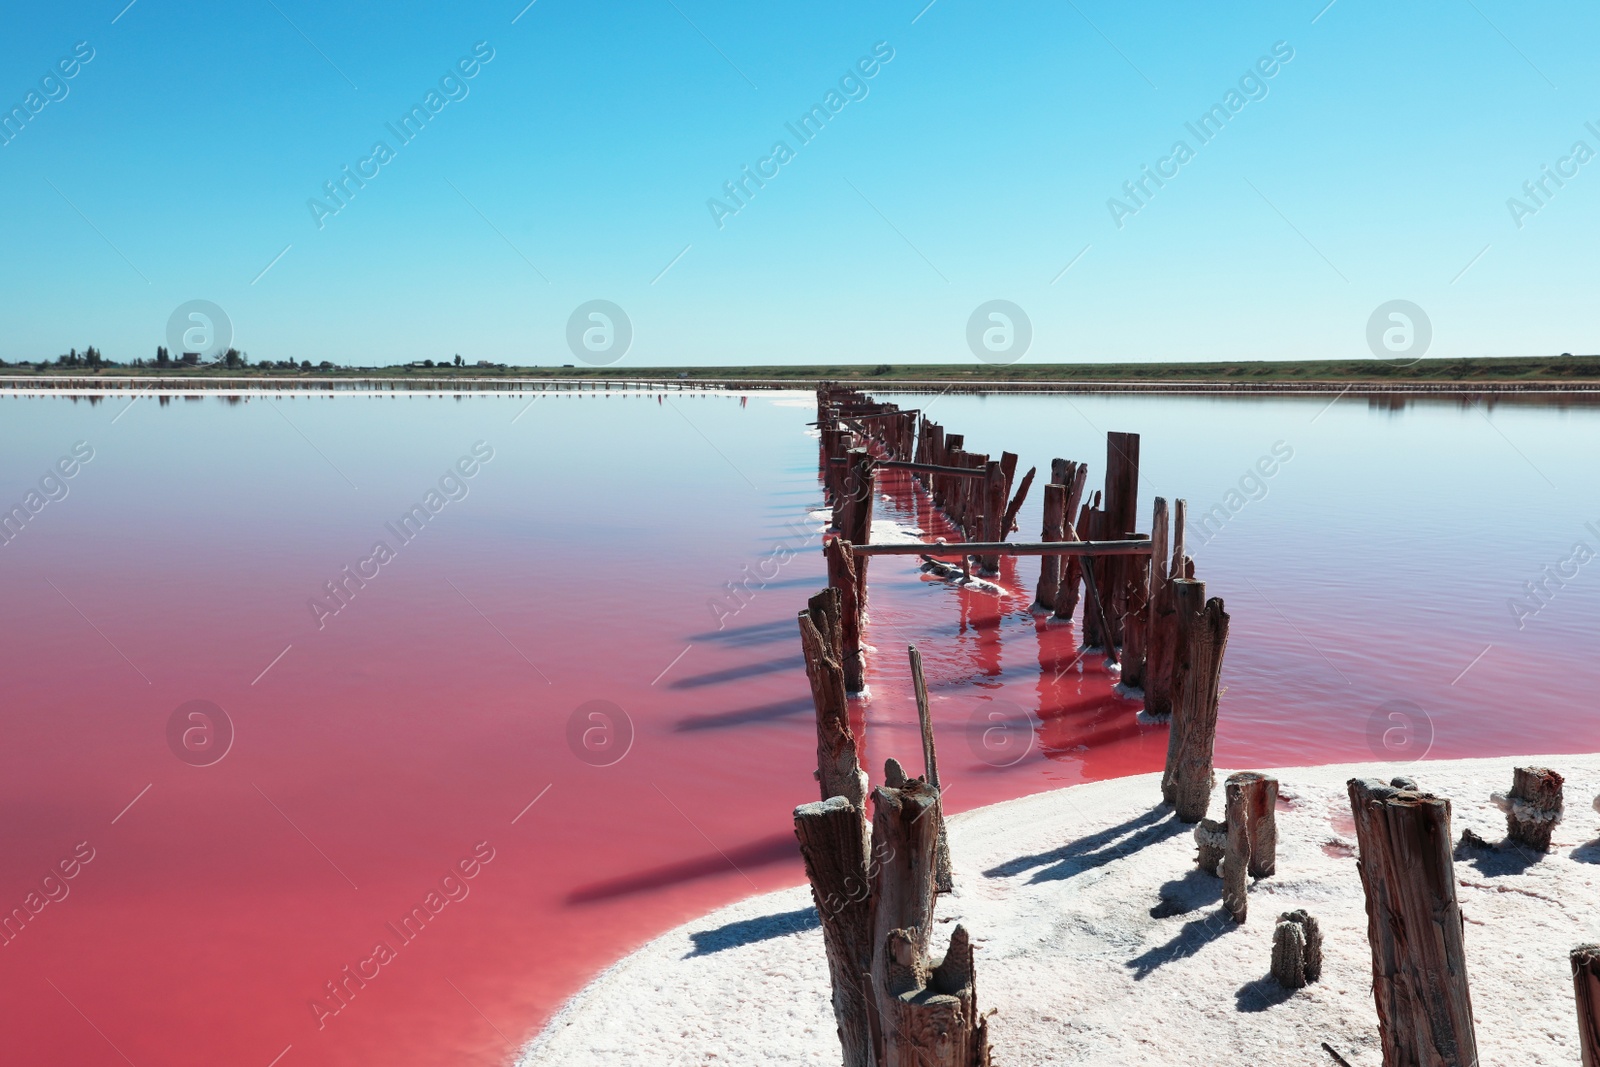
<point x="1138" y="547"/>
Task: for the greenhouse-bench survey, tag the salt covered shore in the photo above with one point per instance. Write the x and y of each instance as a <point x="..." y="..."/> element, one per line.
<point x="1099" y="941"/>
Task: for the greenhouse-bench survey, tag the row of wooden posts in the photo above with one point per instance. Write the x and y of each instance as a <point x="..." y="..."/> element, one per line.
<point x="875" y="881"/>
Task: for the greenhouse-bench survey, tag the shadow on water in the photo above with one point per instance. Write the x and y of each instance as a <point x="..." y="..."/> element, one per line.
<point x="722" y="720"/>
<point x="745" y="636"/>
<point x="779" y="848"/>
<point x="734" y="674"/>
<point x="1095" y="850"/>
<point x="749" y="931"/>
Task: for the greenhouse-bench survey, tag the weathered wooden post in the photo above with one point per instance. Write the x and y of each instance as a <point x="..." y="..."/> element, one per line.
<point x="839" y="771"/>
<point x="1236" y="853"/>
<point x="1296" y="950"/>
<point x="843" y="575"/>
<point x="1419" y="966"/>
<point x="926" y="1014"/>
<point x="1055" y="508"/>
<point x="1159" y="622"/>
<point x="1201" y="639"/>
<point x="1533" y="807"/>
<point x="943" y="877"/>
<point x="833" y="843"/>
<point x="1586" y="984"/>
<point x="1010" y="521"/>
<point x="994" y="508"/>
<point x="1135" y="611"/>
<point x="1260" y="793"/>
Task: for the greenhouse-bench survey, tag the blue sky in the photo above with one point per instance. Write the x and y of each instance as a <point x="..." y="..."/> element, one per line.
<point x="978" y="165"/>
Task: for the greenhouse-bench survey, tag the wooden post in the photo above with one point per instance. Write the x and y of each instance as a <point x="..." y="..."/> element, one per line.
<point x="1296" y="950"/>
<point x="1236" y="854"/>
<point x="1419" y="966"/>
<point x="1135" y="619"/>
<point x="1534" y="807"/>
<point x="1260" y="794"/>
<point x="839" y="771"/>
<point x="833" y="843"/>
<point x="1202" y="638"/>
<point x="1055" y="496"/>
<point x="994" y="510"/>
<point x="1015" y="506"/>
<point x="1161" y="622"/>
<point x="943" y="877"/>
<point x="1586" y="984"/>
<point x="1077" y="519"/>
<point x="843" y="575"/>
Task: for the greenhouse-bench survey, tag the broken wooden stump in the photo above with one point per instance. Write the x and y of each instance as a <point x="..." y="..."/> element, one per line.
<point x="1202" y="636"/>
<point x="1296" y="950"/>
<point x="1419" y="973"/>
<point x="1236" y="852"/>
<point x="1211" y="837"/>
<point x="929" y="1014"/>
<point x="943" y="878"/>
<point x="838" y="771"/>
<point x="1533" y="806"/>
<point x="1260" y="793"/>
<point x="833" y="843"/>
<point x="1586" y="984"/>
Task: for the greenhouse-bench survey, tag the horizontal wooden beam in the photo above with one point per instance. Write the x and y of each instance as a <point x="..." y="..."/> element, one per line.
<point x="934" y="468"/>
<point x="1007" y="548"/>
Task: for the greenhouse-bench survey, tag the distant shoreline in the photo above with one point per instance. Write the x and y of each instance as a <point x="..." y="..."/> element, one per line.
<point x="422" y="382"/>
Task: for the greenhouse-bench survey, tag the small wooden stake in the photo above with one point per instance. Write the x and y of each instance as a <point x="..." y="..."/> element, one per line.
<point x="1419" y="970"/>
<point x="1586" y="984"/>
<point x="930" y="765"/>
<point x="1534" y="807"/>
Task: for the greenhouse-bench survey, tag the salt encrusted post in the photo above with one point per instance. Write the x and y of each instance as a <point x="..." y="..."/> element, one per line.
<point x="1202" y="636"/>
<point x="1296" y="950"/>
<point x="1135" y="617"/>
<point x="1534" y="807"/>
<point x="1236" y="853"/>
<point x="839" y="771"/>
<point x="1212" y="838"/>
<point x="843" y="575"/>
<point x="1260" y="793"/>
<point x="1419" y="971"/>
<point x="905" y="841"/>
<point x="1055" y="513"/>
<point x="833" y="844"/>
<point x="943" y="878"/>
<point x="1586" y="983"/>
<point x="1160" y="625"/>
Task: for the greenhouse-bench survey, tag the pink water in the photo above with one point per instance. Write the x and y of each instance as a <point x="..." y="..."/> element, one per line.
<point x="372" y="756"/>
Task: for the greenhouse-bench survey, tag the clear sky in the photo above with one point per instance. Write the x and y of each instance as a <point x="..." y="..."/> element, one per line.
<point x="977" y="163"/>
